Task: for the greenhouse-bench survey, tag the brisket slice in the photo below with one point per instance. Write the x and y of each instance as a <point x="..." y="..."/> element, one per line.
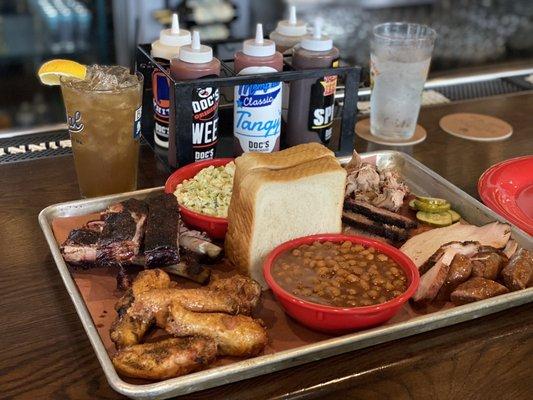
<point x="352" y="230"/>
<point x="121" y="237"/>
<point x="161" y="241"/>
<point x="379" y="214"/>
<point x="364" y="223"/>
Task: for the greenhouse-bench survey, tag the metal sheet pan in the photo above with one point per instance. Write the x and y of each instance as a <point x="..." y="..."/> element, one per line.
<point x="421" y="180"/>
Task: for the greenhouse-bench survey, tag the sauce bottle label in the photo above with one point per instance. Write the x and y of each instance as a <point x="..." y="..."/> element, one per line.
<point x="321" y="106"/>
<point x="161" y="104"/>
<point x="257" y="113"/>
<point x="204" y="122"/>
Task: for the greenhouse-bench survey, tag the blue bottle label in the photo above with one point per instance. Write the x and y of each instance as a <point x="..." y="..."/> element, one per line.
<point x="257" y="113"/>
<point x="161" y="104"/>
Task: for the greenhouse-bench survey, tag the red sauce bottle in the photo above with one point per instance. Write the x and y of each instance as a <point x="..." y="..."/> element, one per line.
<point x="197" y="61"/>
<point x="311" y="101"/>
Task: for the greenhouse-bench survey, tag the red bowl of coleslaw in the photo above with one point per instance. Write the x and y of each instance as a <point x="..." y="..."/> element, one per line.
<point x="215" y="227"/>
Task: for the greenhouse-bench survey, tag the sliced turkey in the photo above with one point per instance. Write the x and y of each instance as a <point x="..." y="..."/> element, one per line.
<point x="420" y="247"/>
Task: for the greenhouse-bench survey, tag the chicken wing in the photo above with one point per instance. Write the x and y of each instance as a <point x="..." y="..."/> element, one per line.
<point x="165" y="359"/>
<point x="150" y="279"/>
<point x="154" y="304"/>
<point x="245" y="290"/>
<point x="235" y="335"/>
<point x="127" y="330"/>
<point x="235" y="295"/>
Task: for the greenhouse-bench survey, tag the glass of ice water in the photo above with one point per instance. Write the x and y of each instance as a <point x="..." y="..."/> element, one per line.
<point x="399" y="64"/>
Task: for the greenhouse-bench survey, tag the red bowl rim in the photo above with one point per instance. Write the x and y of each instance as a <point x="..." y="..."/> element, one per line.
<point x="403" y="260"/>
<point x="170" y="188"/>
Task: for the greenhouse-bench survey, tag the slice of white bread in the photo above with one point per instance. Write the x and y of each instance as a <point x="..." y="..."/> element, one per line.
<point x="281" y="159"/>
<point x="270" y="206"/>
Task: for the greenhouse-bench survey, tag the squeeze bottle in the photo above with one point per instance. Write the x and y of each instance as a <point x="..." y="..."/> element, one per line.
<point x="257" y="108"/>
<point x="163" y="49"/>
<point x="288" y="32"/>
<point x="196" y="61"/>
<point x="311" y="102"/>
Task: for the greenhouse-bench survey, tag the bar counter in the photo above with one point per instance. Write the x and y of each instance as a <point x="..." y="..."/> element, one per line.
<point x="46" y="353"/>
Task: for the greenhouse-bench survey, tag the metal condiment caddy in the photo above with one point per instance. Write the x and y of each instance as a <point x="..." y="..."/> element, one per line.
<point x="181" y="104"/>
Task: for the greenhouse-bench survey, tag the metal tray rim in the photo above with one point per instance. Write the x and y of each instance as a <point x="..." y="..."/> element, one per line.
<point x="272" y="362"/>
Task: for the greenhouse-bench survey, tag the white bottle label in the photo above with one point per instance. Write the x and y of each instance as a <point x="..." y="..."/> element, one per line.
<point x="257" y="113"/>
<point x="137" y="122"/>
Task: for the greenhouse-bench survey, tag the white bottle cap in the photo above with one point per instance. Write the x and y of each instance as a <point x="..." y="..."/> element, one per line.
<point x="317" y="41"/>
<point x="259" y="47"/>
<point x="291" y="26"/>
<point x="196" y="53"/>
<point x="170" y="40"/>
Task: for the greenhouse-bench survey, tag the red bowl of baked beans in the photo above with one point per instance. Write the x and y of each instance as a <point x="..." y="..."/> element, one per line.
<point x="337" y="283"/>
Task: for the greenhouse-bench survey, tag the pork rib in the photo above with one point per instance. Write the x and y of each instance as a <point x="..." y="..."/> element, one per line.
<point x="161" y="241"/>
<point x="121" y="237"/>
<point x="80" y="247"/>
<point x="198" y="243"/>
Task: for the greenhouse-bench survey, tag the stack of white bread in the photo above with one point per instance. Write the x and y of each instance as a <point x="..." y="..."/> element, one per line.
<point x="282" y="196"/>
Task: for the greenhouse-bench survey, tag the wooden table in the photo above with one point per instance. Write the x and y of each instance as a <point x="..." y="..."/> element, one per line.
<point x="46" y="354"/>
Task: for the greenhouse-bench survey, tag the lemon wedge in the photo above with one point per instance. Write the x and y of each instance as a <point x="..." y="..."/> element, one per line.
<point x="51" y="71"/>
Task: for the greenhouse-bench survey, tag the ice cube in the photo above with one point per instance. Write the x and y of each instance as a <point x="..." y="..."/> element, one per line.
<point x="102" y="77"/>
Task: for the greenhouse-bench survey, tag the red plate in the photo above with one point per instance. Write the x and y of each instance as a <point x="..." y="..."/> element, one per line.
<point x="507" y="188"/>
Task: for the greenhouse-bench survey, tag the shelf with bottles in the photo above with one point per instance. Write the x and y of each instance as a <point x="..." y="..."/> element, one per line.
<point x="343" y="133"/>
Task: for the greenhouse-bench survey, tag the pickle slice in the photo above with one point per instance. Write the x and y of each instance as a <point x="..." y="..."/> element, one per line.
<point x="435" y="219"/>
<point x="455" y="216"/>
<point x="431" y="207"/>
<point x="412" y="205"/>
<point x="432" y="200"/>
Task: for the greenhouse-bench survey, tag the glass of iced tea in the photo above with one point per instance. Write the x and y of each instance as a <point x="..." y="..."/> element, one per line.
<point x="103" y="115"/>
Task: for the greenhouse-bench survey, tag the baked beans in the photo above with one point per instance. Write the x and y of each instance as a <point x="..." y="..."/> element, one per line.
<point x="342" y="274"/>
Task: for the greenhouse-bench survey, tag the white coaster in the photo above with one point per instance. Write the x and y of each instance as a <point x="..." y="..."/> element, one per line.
<point x="477" y="127"/>
<point x="362" y="129"/>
